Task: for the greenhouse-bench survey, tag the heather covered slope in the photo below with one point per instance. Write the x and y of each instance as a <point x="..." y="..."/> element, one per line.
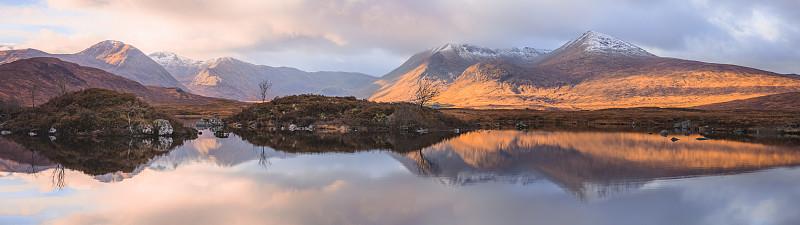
<point x="597" y="71"/>
<point x="97" y="112"/>
<point x="343" y="114"/>
<point x="111" y="56"/>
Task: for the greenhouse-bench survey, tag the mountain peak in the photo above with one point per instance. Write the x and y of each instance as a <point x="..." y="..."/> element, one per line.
<point x="169" y="58"/>
<point x="596" y="42"/>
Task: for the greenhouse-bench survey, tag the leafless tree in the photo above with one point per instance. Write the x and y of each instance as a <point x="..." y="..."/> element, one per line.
<point x="133" y="112"/>
<point x="33" y="88"/>
<point x="264" y="86"/>
<point x="62" y="83"/>
<point x="426" y="91"/>
<point x="58" y="177"/>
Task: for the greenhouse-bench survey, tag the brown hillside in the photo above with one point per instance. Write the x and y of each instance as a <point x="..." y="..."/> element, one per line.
<point x="45" y="73"/>
<point x="785" y="101"/>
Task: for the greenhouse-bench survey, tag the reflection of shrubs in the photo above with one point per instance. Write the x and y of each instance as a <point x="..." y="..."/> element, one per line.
<point x="99" y="156"/>
<point x="93" y="111"/>
<point x="317" y="110"/>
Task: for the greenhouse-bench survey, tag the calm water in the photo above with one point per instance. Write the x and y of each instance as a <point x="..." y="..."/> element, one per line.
<point x="483" y="177"/>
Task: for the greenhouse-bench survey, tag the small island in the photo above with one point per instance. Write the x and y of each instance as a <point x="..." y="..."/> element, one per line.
<point x="96" y="112"/>
<point x="343" y="114"/>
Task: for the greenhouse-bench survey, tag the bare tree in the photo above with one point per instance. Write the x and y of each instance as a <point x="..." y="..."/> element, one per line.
<point x="264" y="86"/>
<point x="58" y="177"/>
<point x="33" y="87"/>
<point x="426" y="91"/>
<point x="62" y="83"/>
<point x="132" y="112"/>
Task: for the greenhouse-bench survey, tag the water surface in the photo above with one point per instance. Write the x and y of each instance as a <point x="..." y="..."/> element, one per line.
<point x="482" y="177"/>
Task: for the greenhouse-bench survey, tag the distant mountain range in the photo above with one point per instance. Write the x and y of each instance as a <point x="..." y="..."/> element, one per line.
<point x="235" y="79"/>
<point x="112" y="56"/>
<point x="593" y="71"/>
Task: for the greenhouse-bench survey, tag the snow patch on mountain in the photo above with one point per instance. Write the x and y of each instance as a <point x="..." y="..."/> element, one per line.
<point x="172" y="59"/>
<point x="476" y="53"/>
<point x="597" y="42"/>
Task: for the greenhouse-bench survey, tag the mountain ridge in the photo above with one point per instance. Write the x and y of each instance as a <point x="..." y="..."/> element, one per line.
<point x="111" y="56"/>
<point x="228" y="77"/>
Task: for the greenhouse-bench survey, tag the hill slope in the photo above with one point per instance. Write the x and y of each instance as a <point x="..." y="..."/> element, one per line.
<point x="785" y="101"/>
<point x="112" y="56"/>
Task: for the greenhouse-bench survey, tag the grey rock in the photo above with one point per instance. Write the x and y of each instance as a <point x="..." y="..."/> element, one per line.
<point x="664" y="133"/>
<point x="163" y="127"/>
<point x="5" y="132"/>
<point x="53" y="130"/>
<point x="144" y="128"/>
<point x="292" y="127"/>
<point x="52" y="138"/>
<point x="684" y="125"/>
<point x="31" y="133"/>
<point x="674" y="139"/>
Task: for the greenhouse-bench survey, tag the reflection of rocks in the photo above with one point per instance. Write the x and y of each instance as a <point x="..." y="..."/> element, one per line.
<point x="164" y="143"/>
<point x="590" y="165"/>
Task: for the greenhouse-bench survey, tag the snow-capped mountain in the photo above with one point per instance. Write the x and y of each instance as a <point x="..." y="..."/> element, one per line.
<point x="596" y="42"/>
<point x="597" y="71"/>
<point x="231" y="78"/>
<point x="180" y="67"/>
<point x="112" y="56"/>
<point x="442" y="65"/>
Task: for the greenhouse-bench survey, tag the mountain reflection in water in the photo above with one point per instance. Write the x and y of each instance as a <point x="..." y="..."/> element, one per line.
<point x="382" y="178"/>
<point x="589" y="164"/>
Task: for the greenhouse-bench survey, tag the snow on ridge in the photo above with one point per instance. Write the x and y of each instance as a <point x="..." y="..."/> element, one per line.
<point x="169" y="58"/>
<point x="468" y="51"/>
<point x="592" y="41"/>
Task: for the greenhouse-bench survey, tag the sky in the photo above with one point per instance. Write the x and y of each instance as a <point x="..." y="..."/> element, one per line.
<point x="376" y="36"/>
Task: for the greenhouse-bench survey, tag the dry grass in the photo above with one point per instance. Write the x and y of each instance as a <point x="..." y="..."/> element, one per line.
<point x="651" y="119"/>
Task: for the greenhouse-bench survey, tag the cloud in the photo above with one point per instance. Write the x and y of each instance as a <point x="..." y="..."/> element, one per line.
<point x="340" y="34"/>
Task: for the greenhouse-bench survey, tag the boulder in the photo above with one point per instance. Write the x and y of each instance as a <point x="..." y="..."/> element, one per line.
<point x="5" y="132"/>
<point x="53" y="130"/>
<point x="683" y="125"/>
<point x="163" y="127"/>
<point x="292" y="127"/>
<point x="664" y="133"/>
<point x="521" y="126"/>
<point x="31" y="133"/>
<point x="674" y="139"/>
<point x="144" y="128"/>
